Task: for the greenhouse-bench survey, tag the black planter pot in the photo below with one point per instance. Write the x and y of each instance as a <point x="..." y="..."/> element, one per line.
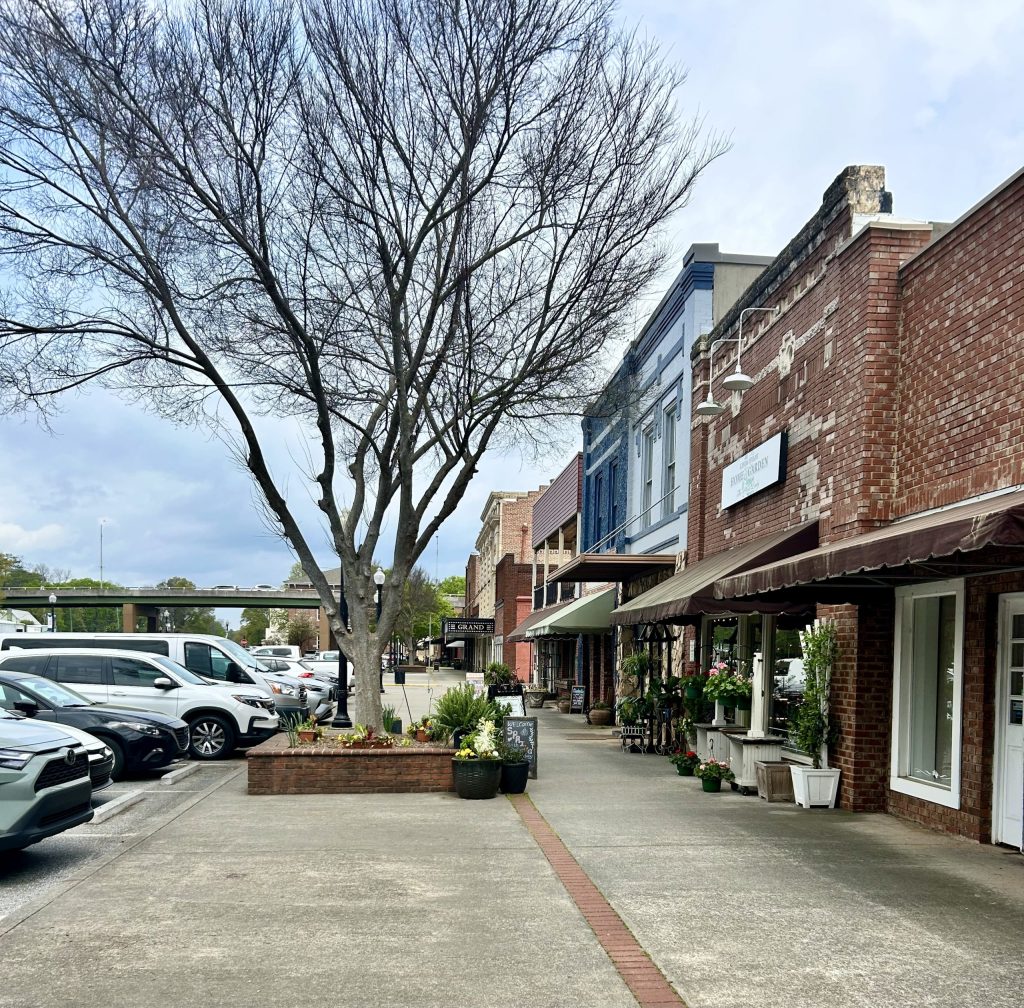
<point x="476" y="779"/>
<point x="458" y="735"/>
<point x="514" y="777"/>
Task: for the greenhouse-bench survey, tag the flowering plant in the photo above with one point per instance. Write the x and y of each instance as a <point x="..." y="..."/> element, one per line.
<point x="426" y="724"/>
<point x="725" y="684"/>
<point x="364" y="735"/>
<point x="684" y="758"/>
<point x="481" y="745"/>
<point x="713" y="768"/>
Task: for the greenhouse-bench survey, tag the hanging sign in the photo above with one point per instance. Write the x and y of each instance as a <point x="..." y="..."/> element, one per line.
<point x="457" y="627"/>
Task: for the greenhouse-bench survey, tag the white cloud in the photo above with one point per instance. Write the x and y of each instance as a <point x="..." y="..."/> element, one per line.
<point x="25" y="542"/>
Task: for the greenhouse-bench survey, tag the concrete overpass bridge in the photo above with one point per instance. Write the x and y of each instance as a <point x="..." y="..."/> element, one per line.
<point x="136" y="603"/>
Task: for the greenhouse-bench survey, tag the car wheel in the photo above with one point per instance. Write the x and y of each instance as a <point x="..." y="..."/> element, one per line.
<point x="210" y="738"/>
<point x="117" y="770"/>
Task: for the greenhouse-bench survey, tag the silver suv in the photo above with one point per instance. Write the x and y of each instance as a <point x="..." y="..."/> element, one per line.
<point x="44" y="782"/>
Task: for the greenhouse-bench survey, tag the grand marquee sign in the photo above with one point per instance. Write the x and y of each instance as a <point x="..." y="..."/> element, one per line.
<point x="460" y="627"/>
<point x="757" y="470"/>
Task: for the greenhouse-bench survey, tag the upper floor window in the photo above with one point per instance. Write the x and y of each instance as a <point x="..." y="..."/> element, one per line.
<point x="613" y="508"/>
<point x="598" y="503"/>
<point x="646" y="476"/>
<point x="668" y="504"/>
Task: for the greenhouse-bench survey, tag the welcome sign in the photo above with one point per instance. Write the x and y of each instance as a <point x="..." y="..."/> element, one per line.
<point x="758" y="469"/>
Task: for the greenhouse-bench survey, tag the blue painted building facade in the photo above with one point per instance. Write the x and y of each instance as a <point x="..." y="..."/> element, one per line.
<point x="636" y="436"/>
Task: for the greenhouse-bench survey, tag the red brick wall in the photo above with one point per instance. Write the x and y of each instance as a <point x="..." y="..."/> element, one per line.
<point x="961" y="396"/>
<point x="273" y="768"/>
<point x="513" y="602"/>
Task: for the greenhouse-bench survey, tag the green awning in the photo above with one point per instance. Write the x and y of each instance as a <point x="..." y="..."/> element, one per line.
<point x="587" y="615"/>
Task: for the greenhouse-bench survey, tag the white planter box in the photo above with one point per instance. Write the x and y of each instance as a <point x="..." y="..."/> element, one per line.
<point x="815" y="787"/>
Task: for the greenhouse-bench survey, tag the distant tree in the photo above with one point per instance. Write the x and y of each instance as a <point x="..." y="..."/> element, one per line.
<point x="454" y="584"/>
<point x="190" y="619"/>
<point x="254" y="625"/>
<point x="296" y="575"/>
<point x="302" y="632"/>
<point x="411" y="227"/>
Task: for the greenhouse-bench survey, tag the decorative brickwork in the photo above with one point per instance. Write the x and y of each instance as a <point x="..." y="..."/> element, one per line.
<point x="273" y="768"/>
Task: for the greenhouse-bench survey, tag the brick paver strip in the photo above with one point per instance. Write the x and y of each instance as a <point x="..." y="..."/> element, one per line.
<point x="641" y="976"/>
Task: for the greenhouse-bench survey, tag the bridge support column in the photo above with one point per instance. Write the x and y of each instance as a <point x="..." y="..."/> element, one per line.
<point x="129" y="613"/>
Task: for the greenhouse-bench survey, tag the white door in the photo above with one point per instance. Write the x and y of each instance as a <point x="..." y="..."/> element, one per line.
<point x="1008" y="790"/>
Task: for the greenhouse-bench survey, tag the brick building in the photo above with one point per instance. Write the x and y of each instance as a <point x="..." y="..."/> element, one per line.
<point x="873" y="474"/>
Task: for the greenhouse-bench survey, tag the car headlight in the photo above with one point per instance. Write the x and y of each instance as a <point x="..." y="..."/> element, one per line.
<point x="281" y="688"/>
<point x="14" y="759"/>
<point x="251" y="701"/>
<point x="139" y="726"/>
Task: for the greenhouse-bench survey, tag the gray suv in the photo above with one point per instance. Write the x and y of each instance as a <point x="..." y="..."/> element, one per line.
<point x="44" y="782"/>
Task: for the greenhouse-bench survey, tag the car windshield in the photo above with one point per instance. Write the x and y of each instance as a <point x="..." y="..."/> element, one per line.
<point x="58" y="695"/>
<point x="240" y="655"/>
<point x="328" y="656"/>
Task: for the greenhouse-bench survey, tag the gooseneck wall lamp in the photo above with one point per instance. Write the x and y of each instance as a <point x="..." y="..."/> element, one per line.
<point x="738" y="381"/>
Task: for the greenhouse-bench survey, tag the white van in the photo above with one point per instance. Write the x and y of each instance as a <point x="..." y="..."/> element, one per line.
<point x="219" y="719"/>
<point x="277" y="651"/>
<point x="215" y="658"/>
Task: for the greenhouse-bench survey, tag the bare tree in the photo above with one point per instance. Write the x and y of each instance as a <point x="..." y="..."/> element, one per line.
<point x="410" y="226"/>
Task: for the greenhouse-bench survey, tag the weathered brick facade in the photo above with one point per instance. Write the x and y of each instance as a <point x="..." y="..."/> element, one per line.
<point x="892" y="370"/>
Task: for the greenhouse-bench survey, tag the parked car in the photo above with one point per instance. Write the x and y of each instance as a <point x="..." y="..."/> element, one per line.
<point x="219" y="717"/>
<point x="276" y="651"/>
<point x="326" y="667"/>
<point x="138" y="740"/>
<point x="44" y="779"/>
<point x="319" y="693"/>
<point x="264" y="587"/>
<point x="215" y="659"/>
<point x="101" y="759"/>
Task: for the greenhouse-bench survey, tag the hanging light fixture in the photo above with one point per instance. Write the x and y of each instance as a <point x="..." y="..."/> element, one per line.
<point x="709" y="407"/>
<point x="739" y="380"/>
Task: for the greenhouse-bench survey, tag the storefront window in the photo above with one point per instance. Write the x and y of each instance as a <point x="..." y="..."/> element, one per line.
<point x="926" y="712"/>
<point x="787" y="682"/>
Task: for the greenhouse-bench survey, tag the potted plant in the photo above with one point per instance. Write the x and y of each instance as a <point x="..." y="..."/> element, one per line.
<point x="627" y="711"/>
<point x="685" y="761"/>
<point x="390" y="720"/>
<point x="711" y="773"/>
<point x="458" y="710"/>
<point x="726" y="685"/>
<point x="423" y="729"/>
<point x="476" y="766"/>
<point x="515" y="768"/>
<point x="693" y="686"/>
<point x="535" y="695"/>
<point x="307" y="730"/>
<point x="500" y="680"/>
<point x="633" y="668"/>
<point x="365" y="737"/>
<point x="810" y="729"/>
<point x="600" y="713"/>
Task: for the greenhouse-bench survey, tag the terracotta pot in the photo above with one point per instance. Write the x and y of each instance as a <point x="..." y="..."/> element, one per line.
<point x="422" y="736"/>
<point x="563" y="706"/>
<point x="600" y="717"/>
<point x="307" y="735"/>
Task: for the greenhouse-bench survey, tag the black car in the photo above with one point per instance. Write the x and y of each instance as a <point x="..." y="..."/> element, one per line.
<point x="139" y="740"/>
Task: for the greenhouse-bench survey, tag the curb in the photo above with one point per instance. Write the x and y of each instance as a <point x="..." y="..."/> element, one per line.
<point x="111" y="808"/>
<point x="181" y="773"/>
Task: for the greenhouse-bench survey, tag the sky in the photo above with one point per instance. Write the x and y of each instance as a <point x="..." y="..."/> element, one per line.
<point x="926" y="88"/>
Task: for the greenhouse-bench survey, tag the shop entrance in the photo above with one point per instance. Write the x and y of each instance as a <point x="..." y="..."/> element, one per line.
<point x="1008" y="778"/>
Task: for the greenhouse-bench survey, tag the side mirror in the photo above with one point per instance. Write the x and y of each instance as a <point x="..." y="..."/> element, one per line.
<point x="236" y="674"/>
<point x="27" y="707"/>
<point x="163" y="682"/>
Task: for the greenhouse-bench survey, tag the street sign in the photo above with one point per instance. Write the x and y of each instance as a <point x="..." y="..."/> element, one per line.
<point x="458" y="627"/>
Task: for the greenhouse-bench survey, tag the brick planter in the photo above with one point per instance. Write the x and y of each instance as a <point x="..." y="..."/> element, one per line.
<point x="331" y="769"/>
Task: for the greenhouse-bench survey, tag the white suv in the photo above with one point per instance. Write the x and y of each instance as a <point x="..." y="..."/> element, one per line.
<point x="219" y="717"/>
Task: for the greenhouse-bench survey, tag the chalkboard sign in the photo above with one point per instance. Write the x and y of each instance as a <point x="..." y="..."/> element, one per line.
<point x="577" y="699"/>
<point x="511" y="705"/>
<point x="521" y="732"/>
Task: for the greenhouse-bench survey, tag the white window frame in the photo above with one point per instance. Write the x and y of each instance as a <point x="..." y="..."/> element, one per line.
<point x="669" y="441"/>
<point x="902" y="659"/>
<point x="646" y="476"/>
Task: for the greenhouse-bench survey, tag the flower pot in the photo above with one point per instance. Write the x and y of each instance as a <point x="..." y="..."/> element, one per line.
<point x="600" y="717"/>
<point x="307" y="735"/>
<point x="422" y="735"/>
<point x="711" y="785"/>
<point x="396" y="727"/>
<point x="535" y="700"/>
<point x="742" y="703"/>
<point x="684" y="771"/>
<point x="815" y="788"/>
<point x="691" y="693"/>
<point x="514" y="777"/>
<point x="476" y="778"/>
<point x="563" y="706"/>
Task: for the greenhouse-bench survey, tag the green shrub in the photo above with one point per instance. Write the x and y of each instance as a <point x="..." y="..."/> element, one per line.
<point x="461" y="707"/>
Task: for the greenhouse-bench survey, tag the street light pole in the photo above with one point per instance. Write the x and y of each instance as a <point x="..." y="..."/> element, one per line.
<point x="53" y="614"/>
<point x="103" y="521"/>
<point x="341" y="718"/>
<point x="379" y="578"/>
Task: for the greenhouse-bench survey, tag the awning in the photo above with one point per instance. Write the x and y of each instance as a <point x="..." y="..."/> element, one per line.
<point x="521" y="632"/>
<point x="455" y="644"/>
<point x="596" y="567"/>
<point x="977" y="538"/>
<point x="586" y="615"/>
<point x="688" y="595"/>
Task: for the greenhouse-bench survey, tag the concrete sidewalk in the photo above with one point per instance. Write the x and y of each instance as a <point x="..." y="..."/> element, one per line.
<point x="437" y="902"/>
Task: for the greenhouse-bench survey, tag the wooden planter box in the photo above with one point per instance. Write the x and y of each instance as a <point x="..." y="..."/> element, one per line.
<point x="774" y="781"/>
